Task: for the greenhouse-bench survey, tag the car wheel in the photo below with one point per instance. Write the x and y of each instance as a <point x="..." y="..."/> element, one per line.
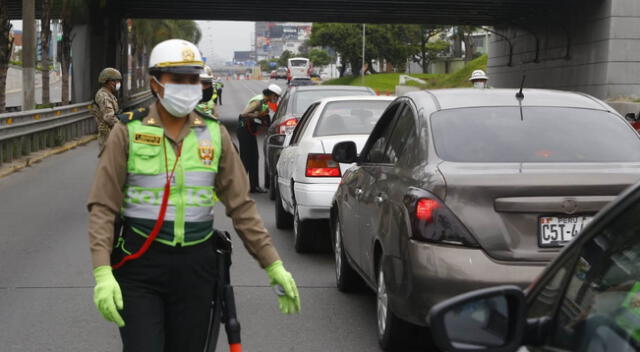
<point x="347" y="280"/>
<point x="302" y="233"/>
<point x="393" y="333"/>
<point x="272" y="187"/>
<point x="284" y="220"/>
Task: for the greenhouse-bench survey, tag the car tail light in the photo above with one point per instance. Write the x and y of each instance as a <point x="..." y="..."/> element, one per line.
<point x="322" y="165"/>
<point x="288" y="126"/>
<point x="425" y="208"/>
<point x="433" y="221"/>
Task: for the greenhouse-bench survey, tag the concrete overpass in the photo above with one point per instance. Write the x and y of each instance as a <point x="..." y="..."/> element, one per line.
<point x="586" y="45"/>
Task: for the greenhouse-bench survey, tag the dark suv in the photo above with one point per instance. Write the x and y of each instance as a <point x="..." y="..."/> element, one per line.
<point x="293" y="104"/>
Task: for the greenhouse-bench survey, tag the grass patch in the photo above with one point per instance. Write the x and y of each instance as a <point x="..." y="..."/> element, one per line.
<point x="387" y="81"/>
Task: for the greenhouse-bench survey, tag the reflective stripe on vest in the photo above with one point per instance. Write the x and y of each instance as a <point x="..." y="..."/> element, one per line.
<point x="189" y="217"/>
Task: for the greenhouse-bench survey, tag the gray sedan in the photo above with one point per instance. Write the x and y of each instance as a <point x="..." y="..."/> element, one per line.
<point x="466" y="188"/>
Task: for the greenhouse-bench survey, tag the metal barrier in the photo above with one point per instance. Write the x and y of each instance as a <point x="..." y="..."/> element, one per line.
<point x="22" y="133"/>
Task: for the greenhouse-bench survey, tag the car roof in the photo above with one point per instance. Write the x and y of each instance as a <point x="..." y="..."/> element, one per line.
<point x="321" y="87"/>
<point x="356" y="97"/>
<point x="455" y="98"/>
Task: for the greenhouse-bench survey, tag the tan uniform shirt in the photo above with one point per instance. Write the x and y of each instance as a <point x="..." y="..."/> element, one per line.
<point x="252" y="109"/>
<point x="231" y="185"/>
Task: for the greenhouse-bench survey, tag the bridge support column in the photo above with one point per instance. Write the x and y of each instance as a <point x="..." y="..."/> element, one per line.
<point x="95" y="46"/>
<point x="28" y="54"/>
<point x="593" y="48"/>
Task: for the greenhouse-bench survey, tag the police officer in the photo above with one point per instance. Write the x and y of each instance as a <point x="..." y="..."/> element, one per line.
<point x="161" y="172"/>
<point x="256" y="109"/>
<point x="479" y="79"/>
<point x="219" y="86"/>
<point x="208" y="102"/>
<point x="106" y="104"/>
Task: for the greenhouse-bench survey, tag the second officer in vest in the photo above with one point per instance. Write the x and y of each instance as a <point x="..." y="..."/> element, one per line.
<point x="161" y="300"/>
<point x="256" y="110"/>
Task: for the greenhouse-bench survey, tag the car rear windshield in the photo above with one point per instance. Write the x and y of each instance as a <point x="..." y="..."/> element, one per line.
<point x="304" y="99"/>
<point x="349" y="117"/>
<point x="298" y="63"/>
<point x="539" y="134"/>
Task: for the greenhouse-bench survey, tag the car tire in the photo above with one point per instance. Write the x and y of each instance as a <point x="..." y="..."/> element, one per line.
<point x="347" y="279"/>
<point x="303" y="233"/>
<point x="284" y="220"/>
<point x="394" y="334"/>
<point x="272" y="187"/>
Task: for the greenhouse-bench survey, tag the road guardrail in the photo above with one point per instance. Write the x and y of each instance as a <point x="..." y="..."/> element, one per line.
<point x="22" y="133"/>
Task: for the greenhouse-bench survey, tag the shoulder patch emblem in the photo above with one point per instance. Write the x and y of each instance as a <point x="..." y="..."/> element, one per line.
<point x="147" y="139"/>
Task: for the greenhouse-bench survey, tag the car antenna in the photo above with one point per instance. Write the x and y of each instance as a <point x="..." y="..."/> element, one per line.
<point x="520" y="97"/>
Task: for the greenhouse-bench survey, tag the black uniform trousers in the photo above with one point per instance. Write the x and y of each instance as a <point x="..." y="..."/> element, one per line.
<point x="167" y="296"/>
<point x="219" y="91"/>
<point x="249" y="155"/>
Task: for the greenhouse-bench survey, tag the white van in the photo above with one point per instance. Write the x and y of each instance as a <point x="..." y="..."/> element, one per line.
<point x="299" y="67"/>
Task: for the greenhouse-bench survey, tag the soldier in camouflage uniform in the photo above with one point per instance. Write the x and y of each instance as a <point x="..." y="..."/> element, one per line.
<point x="106" y="104"/>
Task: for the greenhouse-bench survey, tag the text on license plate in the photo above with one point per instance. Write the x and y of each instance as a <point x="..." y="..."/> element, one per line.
<point x="557" y="231"/>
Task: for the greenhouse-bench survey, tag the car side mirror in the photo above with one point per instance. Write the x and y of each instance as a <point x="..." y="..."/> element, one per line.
<point x="631" y="117"/>
<point x="276" y="139"/>
<point x="345" y="152"/>
<point x="487" y="320"/>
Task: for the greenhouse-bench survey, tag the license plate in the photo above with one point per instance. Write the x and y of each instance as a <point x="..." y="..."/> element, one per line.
<point x="557" y="231"/>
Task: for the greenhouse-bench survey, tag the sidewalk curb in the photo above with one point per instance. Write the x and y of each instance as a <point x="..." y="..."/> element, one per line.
<point x="28" y="161"/>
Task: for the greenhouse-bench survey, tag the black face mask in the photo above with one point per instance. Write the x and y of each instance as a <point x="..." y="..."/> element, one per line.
<point x="207" y="93"/>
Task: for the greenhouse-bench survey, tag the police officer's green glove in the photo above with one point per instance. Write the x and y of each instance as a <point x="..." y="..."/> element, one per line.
<point x="285" y="287"/>
<point x="107" y="295"/>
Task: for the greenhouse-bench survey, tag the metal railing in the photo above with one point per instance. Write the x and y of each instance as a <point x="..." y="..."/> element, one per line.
<point x="22" y="133"/>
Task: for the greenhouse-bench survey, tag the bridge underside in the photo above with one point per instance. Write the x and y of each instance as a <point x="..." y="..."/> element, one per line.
<point x="478" y="12"/>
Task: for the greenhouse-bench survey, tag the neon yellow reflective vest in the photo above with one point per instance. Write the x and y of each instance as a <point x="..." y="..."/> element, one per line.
<point x="189" y="217"/>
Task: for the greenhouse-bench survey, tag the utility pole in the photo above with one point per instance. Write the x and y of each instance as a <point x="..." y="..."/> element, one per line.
<point x="28" y="54"/>
<point x="364" y="35"/>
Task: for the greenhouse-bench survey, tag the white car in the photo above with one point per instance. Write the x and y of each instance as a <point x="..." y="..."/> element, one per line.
<point x="307" y="176"/>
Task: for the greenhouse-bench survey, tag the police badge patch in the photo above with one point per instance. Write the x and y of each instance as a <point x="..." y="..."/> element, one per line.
<point x="206" y="153"/>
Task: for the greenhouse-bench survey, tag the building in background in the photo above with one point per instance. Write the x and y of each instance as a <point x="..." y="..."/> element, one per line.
<point x="244" y="58"/>
<point x="273" y="38"/>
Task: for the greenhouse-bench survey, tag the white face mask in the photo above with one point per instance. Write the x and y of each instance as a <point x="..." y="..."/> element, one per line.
<point x="118" y="86"/>
<point x="180" y="99"/>
<point x="479" y="84"/>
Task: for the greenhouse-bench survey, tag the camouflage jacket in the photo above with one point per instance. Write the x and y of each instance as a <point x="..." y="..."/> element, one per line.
<point x="105" y="110"/>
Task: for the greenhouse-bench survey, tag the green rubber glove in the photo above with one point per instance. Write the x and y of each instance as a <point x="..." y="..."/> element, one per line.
<point x="285" y="287"/>
<point x="107" y="295"/>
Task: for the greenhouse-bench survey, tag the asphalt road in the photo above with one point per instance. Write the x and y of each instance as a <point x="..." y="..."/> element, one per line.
<point x="46" y="284"/>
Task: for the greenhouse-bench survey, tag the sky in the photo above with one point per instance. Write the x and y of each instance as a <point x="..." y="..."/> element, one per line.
<point x="219" y="38"/>
<point x="222" y="38"/>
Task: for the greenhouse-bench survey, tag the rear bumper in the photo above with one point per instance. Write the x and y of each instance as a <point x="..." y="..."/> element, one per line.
<point x="314" y="199"/>
<point x="433" y="273"/>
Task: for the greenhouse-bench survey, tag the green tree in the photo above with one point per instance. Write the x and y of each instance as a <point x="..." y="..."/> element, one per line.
<point x="284" y="58"/>
<point x="319" y="57"/>
<point x="426" y="52"/>
<point x="465" y="35"/>
<point x="265" y="65"/>
<point x="344" y="38"/>
<point x="6" y="46"/>
<point x="45" y="39"/>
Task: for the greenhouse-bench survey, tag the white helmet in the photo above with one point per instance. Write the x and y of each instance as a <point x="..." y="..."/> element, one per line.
<point x="206" y="75"/>
<point x="478" y="74"/>
<point x="176" y="56"/>
<point x="274" y="88"/>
